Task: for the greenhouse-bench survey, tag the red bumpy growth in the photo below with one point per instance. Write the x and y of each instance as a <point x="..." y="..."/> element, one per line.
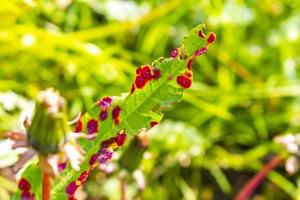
<point x="115" y="115"/>
<point x="184" y="81"/>
<point x="105" y="103"/>
<point x="24" y="184"/>
<point x="84" y="175"/>
<point x="103" y="115"/>
<point x="155" y="73"/>
<point x="174" y="53"/>
<point x="25" y="187"/>
<point x="25" y="195"/>
<point x="61" y="166"/>
<point x="201" y="34"/>
<point x="153" y="123"/>
<point x="79" y="126"/>
<point x="212" y="37"/>
<point x="92" y="126"/>
<point x="93" y="159"/>
<point x="144" y="74"/>
<point x="120" y="139"/>
<point x="140" y="82"/>
<point x="71" y="188"/>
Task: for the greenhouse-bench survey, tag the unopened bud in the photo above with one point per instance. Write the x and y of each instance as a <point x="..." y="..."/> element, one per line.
<point x="47" y="132"/>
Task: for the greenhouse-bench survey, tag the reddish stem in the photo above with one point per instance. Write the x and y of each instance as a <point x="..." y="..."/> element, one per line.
<point x="249" y="188"/>
<point x="123" y="188"/>
<point x="46" y="186"/>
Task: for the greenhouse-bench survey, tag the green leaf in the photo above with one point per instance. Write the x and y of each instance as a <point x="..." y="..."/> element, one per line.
<point x="33" y="175"/>
<point x="192" y="40"/>
<point x="137" y="109"/>
<point x="282" y="182"/>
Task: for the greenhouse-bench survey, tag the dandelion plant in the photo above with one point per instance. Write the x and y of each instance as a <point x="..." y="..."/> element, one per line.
<point x="69" y="154"/>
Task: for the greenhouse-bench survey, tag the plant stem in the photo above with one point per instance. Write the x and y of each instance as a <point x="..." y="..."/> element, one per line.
<point x="46" y="186"/>
<point x="249" y="188"/>
<point x="123" y="188"/>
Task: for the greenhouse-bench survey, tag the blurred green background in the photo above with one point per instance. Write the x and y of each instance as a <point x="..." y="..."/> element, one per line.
<point x="246" y="88"/>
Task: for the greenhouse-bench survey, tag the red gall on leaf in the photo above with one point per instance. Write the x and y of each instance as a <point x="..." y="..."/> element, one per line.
<point x="155" y="73"/>
<point x="120" y="139"/>
<point x="138" y="70"/>
<point x="142" y="68"/>
<point x="200" y="51"/>
<point x="79" y="126"/>
<point x="92" y="126"/>
<point x="116" y="121"/>
<point x="140" y="82"/>
<point x="106" y="144"/>
<point x="153" y="123"/>
<point x="211" y="38"/>
<point x="105" y="103"/>
<point x="72" y="187"/>
<point x="105" y="155"/>
<point x="24" y="184"/>
<point x="93" y="159"/>
<point x="174" y="53"/>
<point x="201" y="34"/>
<point x="103" y="115"/>
<point x="197" y="53"/>
<point x="184" y="81"/>
<point x="72" y="198"/>
<point x="190" y="63"/>
<point x="84" y="175"/>
<point x="25" y="195"/>
<point x="115" y="112"/>
<point x="146" y="73"/>
<point x="61" y="166"/>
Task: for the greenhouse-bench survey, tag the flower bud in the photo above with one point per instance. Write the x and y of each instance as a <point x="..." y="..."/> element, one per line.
<point x="47" y="132"/>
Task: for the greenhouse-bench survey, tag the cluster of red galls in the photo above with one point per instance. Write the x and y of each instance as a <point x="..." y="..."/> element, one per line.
<point x="185" y="80"/>
<point x="144" y="74"/>
<point x="92" y="124"/>
<point x="102" y="156"/>
<point x="106" y="150"/>
<point x="73" y="186"/>
<point x="25" y="187"/>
